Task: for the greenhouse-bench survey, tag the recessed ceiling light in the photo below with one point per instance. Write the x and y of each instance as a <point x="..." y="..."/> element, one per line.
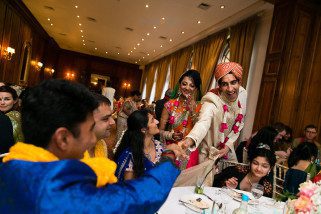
<point x="143" y="57"/>
<point x="48" y="19"/>
<point x="147" y="34"/>
<point x="163" y="18"/>
<point x="51" y="24"/>
<point x="143" y="39"/>
<point x="79" y="24"/>
<point x="81" y="31"/>
<point x="222" y="6"/>
<point x="106" y="52"/>
<point x="154" y="27"/>
<point x="76" y="6"/>
<point x="82" y="36"/>
<point x="78" y="16"/>
<point x="154" y="50"/>
<point x="95" y="48"/>
<point x="83" y="40"/>
<point x="146" y="5"/>
<point x="136" y="62"/>
<point x="131" y="51"/>
<point x="198" y="22"/>
<point x="134" y="48"/>
<point x="83" y="44"/>
<point x="161" y="46"/>
<point x="183" y="32"/>
<point x="148" y="54"/>
<point x="138" y="44"/>
<point x="128" y="54"/>
<point x="139" y="60"/>
<point x="118" y="53"/>
<point x="170" y="40"/>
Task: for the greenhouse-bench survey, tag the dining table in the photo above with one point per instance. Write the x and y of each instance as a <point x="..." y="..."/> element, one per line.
<point x="226" y="203"/>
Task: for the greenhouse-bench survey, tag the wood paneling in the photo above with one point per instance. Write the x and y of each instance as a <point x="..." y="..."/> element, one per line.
<point x="293" y="66"/>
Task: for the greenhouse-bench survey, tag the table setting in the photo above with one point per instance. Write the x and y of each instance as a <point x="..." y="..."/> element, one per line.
<point x="213" y="200"/>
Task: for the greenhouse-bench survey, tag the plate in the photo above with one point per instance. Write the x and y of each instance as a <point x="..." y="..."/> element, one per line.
<point x="237" y="195"/>
<point x="196" y="200"/>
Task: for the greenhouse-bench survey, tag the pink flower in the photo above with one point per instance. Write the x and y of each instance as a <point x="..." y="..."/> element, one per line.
<point x="235" y="129"/>
<point x="221" y="145"/>
<point x="176" y="103"/>
<point x="225" y="140"/>
<point x="303" y="205"/>
<point x="239" y="104"/>
<point x="184" y="123"/>
<point x="171" y="120"/>
<point x="307" y="189"/>
<point x="223" y="127"/>
<point x="225" y="108"/>
<point x="239" y="118"/>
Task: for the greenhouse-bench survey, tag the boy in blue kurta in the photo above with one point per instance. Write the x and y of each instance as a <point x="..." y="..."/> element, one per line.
<point x="45" y="174"/>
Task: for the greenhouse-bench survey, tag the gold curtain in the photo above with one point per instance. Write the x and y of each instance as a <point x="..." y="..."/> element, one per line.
<point x="150" y="73"/>
<point x="205" y="56"/>
<point x="143" y="79"/>
<point x="241" y="45"/>
<point x="161" y="76"/>
<point x="179" y="63"/>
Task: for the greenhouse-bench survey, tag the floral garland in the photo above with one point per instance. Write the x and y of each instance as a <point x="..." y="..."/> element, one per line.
<point x="235" y="128"/>
<point x="172" y="116"/>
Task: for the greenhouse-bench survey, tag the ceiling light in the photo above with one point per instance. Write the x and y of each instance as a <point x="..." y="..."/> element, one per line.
<point x="147" y="34"/>
<point x="106" y="52"/>
<point x="128" y="54"/>
<point x="161" y="46"/>
<point x="143" y="57"/>
<point x="78" y="16"/>
<point x="83" y="44"/>
<point x="198" y="22"/>
<point x="163" y="18"/>
<point x="76" y="6"/>
<point x="143" y="39"/>
<point x="95" y="48"/>
<point x="134" y="48"/>
<point x="80" y="30"/>
<point x="136" y="62"/>
<point x="222" y="6"/>
<point x="118" y="53"/>
<point x="154" y="50"/>
<point x="83" y="40"/>
<point x="139" y="60"/>
<point x="51" y="24"/>
<point x="148" y="54"/>
<point x="138" y="44"/>
<point x="154" y="27"/>
<point x="79" y="24"/>
<point x="182" y="32"/>
<point x="82" y="36"/>
<point x="131" y="51"/>
<point x="48" y="19"/>
<point x="170" y="40"/>
<point x="146" y="5"/>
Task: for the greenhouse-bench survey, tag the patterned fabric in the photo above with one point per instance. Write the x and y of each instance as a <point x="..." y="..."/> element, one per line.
<point x="180" y="114"/>
<point x="15" y="118"/>
<point x="125" y="161"/>
<point x="240" y="172"/>
<point x="227" y="67"/>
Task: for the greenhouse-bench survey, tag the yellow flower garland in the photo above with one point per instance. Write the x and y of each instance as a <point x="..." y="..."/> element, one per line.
<point x="103" y="167"/>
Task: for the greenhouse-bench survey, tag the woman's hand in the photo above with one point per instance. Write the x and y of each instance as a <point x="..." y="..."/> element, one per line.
<point x="177" y="136"/>
<point x="179" y="152"/>
<point x="232" y="183"/>
<point x="223" y="151"/>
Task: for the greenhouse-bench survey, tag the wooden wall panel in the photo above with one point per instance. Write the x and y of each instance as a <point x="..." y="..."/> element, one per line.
<point x="293" y="65"/>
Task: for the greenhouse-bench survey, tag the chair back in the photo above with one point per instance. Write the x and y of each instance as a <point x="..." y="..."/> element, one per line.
<point x="279" y="172"/>
<point x="222" y="164"/>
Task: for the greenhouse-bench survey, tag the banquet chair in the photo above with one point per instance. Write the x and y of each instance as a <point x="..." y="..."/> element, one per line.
<point x="279" y="172"/>
<point x="222" y="164"/>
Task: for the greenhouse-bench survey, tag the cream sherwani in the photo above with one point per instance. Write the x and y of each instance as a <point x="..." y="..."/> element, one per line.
<point x="205" y="132"/>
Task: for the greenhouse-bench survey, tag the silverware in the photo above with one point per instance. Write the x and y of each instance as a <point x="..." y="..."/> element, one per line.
<point x="207" y="196"/>
<point x="191" y="206"/>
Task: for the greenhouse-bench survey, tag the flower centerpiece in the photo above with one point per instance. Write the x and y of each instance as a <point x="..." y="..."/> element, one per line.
<point x="309" y="201"/>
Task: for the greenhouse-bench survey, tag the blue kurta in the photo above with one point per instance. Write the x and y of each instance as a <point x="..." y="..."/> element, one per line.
<point x="69" y="186"/>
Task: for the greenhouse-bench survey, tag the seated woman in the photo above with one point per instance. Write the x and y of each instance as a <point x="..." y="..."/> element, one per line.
<point x="138" y="151"/>
<point x="301" y="163"/>
<point x="8" y="98"/>
<point x="242" y="177"/>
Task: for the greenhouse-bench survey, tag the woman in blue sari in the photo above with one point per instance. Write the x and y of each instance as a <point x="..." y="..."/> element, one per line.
<point x="139" y="151"/>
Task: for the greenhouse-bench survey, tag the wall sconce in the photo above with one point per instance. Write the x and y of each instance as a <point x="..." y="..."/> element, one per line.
<point x="70" y="76"/>
<point x="8" y="52"/>
<point x="38" y="65"/>
<point x="50" y="70"/>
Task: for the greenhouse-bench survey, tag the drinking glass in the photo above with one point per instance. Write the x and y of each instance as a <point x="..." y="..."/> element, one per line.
<point x="199" y="189"/>
<point x="257" y="191"/>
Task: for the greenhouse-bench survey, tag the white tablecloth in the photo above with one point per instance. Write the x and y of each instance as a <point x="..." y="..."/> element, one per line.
<point x="172" y="204"/>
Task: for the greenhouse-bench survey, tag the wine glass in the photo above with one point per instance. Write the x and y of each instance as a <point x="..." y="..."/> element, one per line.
<point x="257" y="191"/>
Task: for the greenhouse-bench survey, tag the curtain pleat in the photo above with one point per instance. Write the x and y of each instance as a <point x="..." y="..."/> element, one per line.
<point x="161" y="76"/>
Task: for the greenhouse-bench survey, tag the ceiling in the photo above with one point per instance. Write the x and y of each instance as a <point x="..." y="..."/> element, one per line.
<point x="136" y="31"/>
